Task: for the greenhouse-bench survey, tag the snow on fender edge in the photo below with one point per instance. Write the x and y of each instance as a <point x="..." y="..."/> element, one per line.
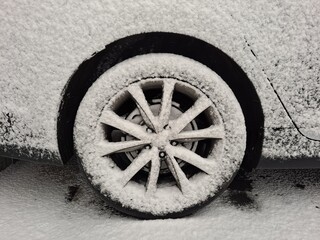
<point x="150" y="183"/>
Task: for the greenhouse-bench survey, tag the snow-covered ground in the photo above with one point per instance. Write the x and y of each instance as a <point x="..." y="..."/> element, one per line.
<point x="48" y="202"/>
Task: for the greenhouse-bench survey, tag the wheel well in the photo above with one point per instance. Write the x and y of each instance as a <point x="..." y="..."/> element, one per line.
<point x="163" y="42"/>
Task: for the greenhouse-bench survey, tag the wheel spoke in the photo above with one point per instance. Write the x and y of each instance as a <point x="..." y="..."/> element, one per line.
<point x="215" y="132"/>
<point x="138" y="163"/>
<point x="112" y="119"/>
<point x="153" y="175"/>
<point x="166" y="103"/>
<point x="156" y="116"/>
<point x="107" y="148"/>
<point x="199" y="106"/>
<point x="181" y="179"/>
<point x="143" y="106"/>
<point x="206" y="165"/>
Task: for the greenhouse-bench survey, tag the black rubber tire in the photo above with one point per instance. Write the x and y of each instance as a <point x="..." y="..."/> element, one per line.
<point x="5" y="162"/>
<point x="86" y="122"/>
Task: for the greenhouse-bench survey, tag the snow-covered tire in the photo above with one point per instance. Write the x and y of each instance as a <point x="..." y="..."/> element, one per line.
<point x="5" y="162"/>
<point x="159" y="135"/>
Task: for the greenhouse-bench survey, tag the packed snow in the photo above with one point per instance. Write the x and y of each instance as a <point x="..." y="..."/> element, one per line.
<point x="48" y="202"/>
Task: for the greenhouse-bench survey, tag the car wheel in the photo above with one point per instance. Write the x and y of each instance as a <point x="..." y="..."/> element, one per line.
<point x="5" y="162"/>
<point x="159" y="135"/>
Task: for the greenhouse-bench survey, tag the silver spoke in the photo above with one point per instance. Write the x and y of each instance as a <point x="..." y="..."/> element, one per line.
<point x="166" y="102"/>
<point x="214" y="132"/>
<point x="206" y="165"/>
<point x="106" y="148"/>
<point x="143" y="106"/>
<point x="153" y="175"/>
<point x="112" y="119"/>
<point x="138" y="163"/>
<point x="181" y="179"/>
<point x="199" y="106"/>
<point x="147" y="139"/>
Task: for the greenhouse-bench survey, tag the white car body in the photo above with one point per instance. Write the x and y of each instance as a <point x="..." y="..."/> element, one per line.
<point x="276" y="43"/>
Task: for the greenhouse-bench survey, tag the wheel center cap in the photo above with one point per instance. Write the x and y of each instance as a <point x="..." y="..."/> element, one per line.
<point x="161" y="139"/>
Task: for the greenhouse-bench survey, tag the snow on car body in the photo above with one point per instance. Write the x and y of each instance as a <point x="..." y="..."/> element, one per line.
<point x="43" y="44"/>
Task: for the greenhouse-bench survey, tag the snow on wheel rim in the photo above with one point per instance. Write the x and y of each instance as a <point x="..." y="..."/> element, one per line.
<point x="161" y="136"/>
<point x="156" y="107"/>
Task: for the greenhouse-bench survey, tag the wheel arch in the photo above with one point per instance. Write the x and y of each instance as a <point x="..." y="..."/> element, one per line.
<point x="162" y="42"/>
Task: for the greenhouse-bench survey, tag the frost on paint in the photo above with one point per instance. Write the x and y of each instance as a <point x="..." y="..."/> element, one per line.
<point x="274" y="40"/>
<point x="16" y="129"/>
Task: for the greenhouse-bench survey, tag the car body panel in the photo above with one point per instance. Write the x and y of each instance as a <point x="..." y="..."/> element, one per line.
<point x="43" y="43"/>
<point x="285" y="37"/>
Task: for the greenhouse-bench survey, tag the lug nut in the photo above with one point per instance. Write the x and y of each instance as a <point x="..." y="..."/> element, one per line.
<point x="162" y="154"/>
<point x="174" y="143"/>
<point x="149" y="130"/>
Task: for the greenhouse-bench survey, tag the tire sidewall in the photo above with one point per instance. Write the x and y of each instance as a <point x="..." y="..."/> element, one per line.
<point x="159" y="66"/>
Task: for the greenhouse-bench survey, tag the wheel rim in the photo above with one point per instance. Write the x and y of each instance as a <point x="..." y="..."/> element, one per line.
<point x="102" y="111"/>
<point x="162" y="135"/>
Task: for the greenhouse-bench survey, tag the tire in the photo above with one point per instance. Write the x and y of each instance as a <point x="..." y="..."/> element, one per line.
<point x="5" y="162"/>
<point x="159" y="135"/>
